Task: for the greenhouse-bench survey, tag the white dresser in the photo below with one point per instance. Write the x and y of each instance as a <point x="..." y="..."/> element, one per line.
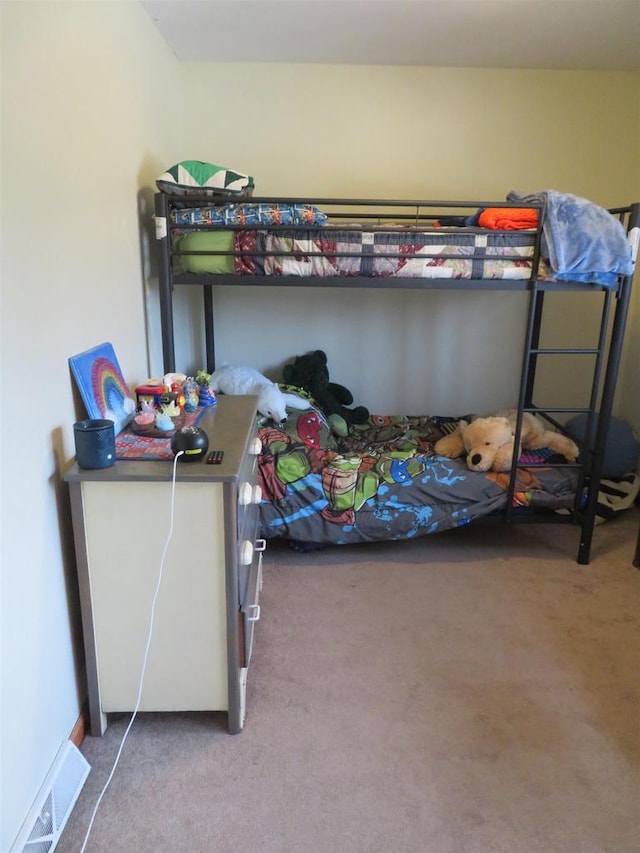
<point x="208" y="601"/>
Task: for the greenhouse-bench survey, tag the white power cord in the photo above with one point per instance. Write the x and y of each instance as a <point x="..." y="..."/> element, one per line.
<point x="146" y="655"/>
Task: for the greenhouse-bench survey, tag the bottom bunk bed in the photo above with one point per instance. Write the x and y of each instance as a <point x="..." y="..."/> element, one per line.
<point x="384" y="481"/>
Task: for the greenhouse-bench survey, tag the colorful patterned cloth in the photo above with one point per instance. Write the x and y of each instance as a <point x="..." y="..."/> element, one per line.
<point x="131" y="445"/>
<point x="412" y="254"/>
<point x="384" y="481"/>
<point x="196" y="176"/>
<point x="249" y="214"/>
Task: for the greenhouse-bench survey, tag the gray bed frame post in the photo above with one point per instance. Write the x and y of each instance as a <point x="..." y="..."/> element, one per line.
<point x="165" y="285"/>
<point x="623" y="299"/>
<point x="209" y="337"/>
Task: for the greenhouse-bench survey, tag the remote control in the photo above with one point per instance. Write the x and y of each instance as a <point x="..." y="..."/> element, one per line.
<point x="215" y="457"/>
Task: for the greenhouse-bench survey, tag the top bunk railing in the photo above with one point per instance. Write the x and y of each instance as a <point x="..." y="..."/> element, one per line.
<point x="377" y="220"/>
<point x="381" y="218"/>
<point x="353" y="210"/>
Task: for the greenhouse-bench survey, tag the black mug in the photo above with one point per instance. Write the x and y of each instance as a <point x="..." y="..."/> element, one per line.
<point x="95" y="443"/>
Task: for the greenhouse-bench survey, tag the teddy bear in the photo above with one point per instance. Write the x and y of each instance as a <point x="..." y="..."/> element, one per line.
<point x="488" y="441"/>
<point x="272" y="402"/>
<point x="310" y="372"/>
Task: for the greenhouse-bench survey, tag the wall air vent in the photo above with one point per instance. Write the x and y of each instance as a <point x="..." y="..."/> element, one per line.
<point x="47" y="817"/>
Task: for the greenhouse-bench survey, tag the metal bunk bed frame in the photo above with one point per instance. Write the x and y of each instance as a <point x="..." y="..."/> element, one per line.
<point x="607" y="353"/>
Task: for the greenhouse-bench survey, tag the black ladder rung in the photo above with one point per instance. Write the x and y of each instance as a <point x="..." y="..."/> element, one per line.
<point x="540" y="410"/>
<point x="561" y="350"/>
<point x="548" y="464"/>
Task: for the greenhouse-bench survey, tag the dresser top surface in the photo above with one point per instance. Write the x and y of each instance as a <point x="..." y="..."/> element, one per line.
<point x="230" y="426"/>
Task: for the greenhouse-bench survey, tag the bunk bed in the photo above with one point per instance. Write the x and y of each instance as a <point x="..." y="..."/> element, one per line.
<point x="383" y="480"/>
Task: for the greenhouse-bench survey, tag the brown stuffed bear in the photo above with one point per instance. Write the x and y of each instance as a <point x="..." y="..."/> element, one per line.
<point x="488" y="442"/>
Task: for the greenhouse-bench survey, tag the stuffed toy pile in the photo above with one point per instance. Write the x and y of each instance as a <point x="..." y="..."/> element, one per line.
<point x="310" y="372"/>
<point x="489" y="446"/>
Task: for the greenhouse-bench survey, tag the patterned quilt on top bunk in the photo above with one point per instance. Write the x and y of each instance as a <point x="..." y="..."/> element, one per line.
<point x="383" y="481"/>
<point x="580" y="242"/>
<point x="375" y="254"/>
<point x="472" y="253"/>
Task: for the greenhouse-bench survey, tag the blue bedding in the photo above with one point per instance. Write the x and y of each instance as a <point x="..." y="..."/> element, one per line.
<point x="383" y="481"/>
<point x="582" y="241"/>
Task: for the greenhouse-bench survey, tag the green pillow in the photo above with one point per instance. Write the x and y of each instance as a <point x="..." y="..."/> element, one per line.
<point x="206" y="241"/>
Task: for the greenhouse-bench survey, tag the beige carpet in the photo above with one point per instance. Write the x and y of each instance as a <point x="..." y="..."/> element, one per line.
<point x="472" y="692"/>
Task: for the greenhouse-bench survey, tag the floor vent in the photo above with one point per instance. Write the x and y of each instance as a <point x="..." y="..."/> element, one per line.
<point x="43" y="827"/>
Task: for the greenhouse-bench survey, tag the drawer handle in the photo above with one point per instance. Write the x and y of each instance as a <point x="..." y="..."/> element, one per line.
<point x="254" y="610"/>
<point x="245" y="494"/>
<point x="255" y="447"/>
<point x="246" y="553"/>
<point x="248" y="494"/>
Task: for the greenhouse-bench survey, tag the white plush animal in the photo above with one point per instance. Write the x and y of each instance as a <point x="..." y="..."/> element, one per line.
<point x="272" y="402"/>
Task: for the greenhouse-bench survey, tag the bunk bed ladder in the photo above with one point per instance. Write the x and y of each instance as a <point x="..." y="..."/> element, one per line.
<point x="607" y="355"/>
<point x="527" y="381"/>
<point x="592" y="451"/>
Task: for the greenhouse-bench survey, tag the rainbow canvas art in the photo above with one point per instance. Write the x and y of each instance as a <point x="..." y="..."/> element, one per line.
<point x="104" y="392"/>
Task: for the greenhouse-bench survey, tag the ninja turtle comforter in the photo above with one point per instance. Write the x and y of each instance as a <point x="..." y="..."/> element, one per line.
<point x="383" y="481"/>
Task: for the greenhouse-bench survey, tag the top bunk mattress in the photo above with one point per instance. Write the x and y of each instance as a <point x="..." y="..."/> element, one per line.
<point x="329" y="251"/>
<point x="550" y="236"/>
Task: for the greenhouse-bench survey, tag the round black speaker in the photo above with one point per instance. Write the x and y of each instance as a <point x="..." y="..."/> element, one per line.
<point x="192" y="441"/>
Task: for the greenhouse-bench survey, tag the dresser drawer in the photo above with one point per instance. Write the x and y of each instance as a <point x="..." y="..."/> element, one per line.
<point x="250" y="605"/>
<point x="249" y="493"/>
<point x="249" y="497"/>
<point x="249" y="555"/>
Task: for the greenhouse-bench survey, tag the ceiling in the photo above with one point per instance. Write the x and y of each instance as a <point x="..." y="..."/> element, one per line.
<point x="554" y="34"/>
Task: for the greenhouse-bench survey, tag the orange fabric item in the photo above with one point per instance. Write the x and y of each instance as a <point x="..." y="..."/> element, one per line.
<point x="508" y="218"/>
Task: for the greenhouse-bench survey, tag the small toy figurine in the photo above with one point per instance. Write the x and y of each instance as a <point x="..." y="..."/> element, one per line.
<point x="191" y="392"/>
<point x="150" y="392"/>
<point x="164" y="422"/>
<point x="145" y="419"/>
<point x="206" y="396"/>
<point x="171" y="410"/>
<point x="178" y="395"/>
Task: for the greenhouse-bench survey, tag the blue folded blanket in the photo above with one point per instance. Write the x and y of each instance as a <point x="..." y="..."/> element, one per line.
<point x="583" y="242"/>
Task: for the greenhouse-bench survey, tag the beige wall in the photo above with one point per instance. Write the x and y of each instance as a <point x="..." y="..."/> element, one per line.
<point x="401" y="132"/>
<point x="86" y="91"/>
<point x="415" y="132"/>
